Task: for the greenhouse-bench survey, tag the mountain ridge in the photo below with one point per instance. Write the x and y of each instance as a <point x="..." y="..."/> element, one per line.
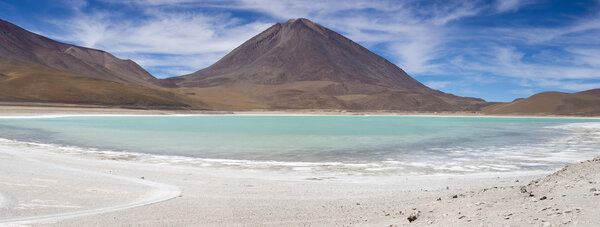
<point x="21" y="45"/>
<point x="298" y="64"/>
<point x="584" y="103"/>
<point x="303" y="65"/>
<point x="36" y="68"/>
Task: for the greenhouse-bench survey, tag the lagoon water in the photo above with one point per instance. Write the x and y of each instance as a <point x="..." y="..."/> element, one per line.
<point x="392" y="144"/>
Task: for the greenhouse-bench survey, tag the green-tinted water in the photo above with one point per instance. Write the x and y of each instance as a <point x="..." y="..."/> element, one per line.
<point x="445" y="143"/>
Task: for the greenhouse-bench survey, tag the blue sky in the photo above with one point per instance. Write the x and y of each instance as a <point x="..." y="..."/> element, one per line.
<point x="498" y="50"/>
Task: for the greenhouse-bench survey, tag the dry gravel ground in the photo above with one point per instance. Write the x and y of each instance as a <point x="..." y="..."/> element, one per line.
<point x="568" y="197"/>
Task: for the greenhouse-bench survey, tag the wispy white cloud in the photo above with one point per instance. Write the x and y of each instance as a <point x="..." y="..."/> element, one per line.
<point x="524" y="92"/>
<point x="162" y="38"/>
<point x="511" y="5"/>
<point x="508" y="62"/>
<point x="437" y="84"/>
<point x="413" y="33"/>
<point x="425" y="38"/>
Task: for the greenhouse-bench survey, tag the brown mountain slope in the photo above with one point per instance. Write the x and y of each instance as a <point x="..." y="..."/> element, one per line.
<point x="594" y="92"/>
<point x="35" y="68"/>
<point x="302" y="65"/>
<point x="586" y="103"/>
<point x="26" y="82"/>
<point x="20" y="45"/>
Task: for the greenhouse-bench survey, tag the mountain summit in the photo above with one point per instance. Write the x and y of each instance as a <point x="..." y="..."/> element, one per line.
<point x="303" y="65"/>
<point x="293" y="65"/>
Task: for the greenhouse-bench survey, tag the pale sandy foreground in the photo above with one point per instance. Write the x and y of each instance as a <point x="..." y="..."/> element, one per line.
<point x="47" y="186"/>
<point x="41" y="186"/>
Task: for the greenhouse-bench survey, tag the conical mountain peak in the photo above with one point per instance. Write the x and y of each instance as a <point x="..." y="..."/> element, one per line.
<point x="297" y="64"/>
<point x="303" y="23"/>
<point x="300" y="21"/>
<point x="301" y="64"/>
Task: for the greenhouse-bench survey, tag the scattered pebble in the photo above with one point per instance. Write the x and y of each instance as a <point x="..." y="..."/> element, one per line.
<point x="523" y="189"/>
<point x="142" y="178"/>
<point x="593" y="189"/>
<point x="543" y="198"/>
<point x="455" y="196"/>
<point x="413" y="216"/>
<point x="439" y="199"/>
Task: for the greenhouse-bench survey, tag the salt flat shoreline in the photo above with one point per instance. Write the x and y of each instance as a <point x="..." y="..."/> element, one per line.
<point x="45" y="187"/>
<point x="39" y="187"/>
<point x="9" y="109"/>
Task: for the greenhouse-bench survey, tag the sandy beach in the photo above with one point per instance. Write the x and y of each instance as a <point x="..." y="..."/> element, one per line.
<point x="44" y="185"/>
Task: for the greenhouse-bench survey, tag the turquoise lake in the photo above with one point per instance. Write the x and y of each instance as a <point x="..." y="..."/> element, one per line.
<point x="415" y="144"/>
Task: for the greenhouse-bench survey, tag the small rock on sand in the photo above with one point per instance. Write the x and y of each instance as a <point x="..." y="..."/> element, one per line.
<point x="413" y="216"/>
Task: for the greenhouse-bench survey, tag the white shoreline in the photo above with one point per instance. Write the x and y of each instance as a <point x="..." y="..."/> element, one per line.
<point x="216" y="196"/>
<point x="263" y="198"/>
<point x="160" y="192"/>
<point x="331" y="169"/>
<point x="3" y="201"/>
<point x="41" y="116"/>
<point x="340" y="170"/>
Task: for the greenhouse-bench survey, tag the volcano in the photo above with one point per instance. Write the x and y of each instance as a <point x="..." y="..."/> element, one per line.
<point x="294" y="65"/>
<point x="303" y="65"/>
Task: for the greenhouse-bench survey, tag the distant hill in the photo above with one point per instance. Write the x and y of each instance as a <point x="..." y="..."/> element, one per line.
<point x="35" y="68"/>
<point x="303" y="65"/>
<point x="593" y="92"/>
<point x="585" y="103"/>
